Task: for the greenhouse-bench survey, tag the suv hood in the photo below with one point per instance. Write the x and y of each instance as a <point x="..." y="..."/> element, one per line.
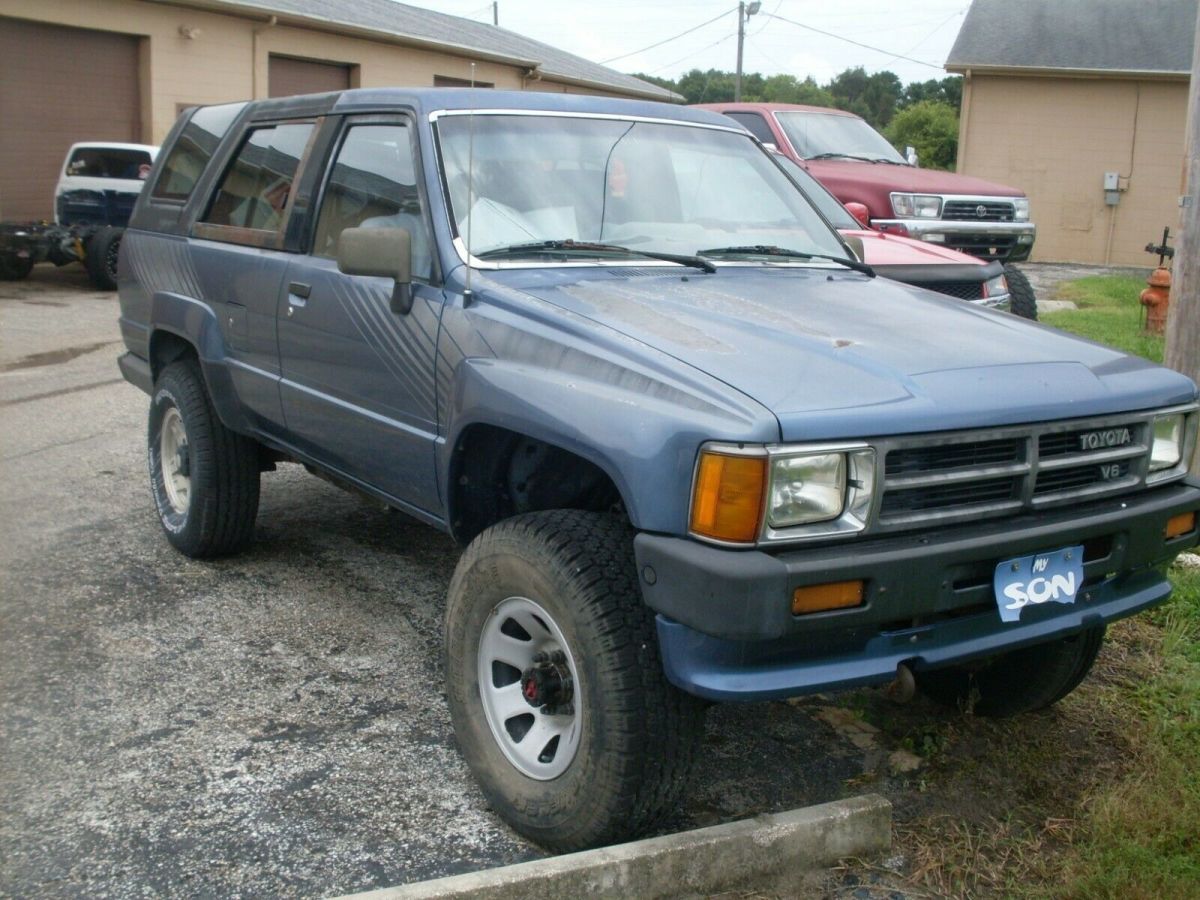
<point x="834" y="354"/>
<point x="844" y="175"/>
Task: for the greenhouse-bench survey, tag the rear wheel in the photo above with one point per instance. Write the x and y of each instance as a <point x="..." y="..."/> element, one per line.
<point x="1021" y="299"/>
<point x="101" y="256"/>
<point x="204" y="477"/>
<point x="1019" y="681"/>
<point x="555" y="684"/>
<point x="14" y="268"/>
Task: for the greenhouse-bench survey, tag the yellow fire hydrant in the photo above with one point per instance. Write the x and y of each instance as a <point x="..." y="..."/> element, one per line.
<point x="1157" y="298"/>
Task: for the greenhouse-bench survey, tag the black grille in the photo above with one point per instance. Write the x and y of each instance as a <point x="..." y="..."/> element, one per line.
<point x="959" y="497"/>
<point x="1076" y="477"/>
<point x="939" y="458"/>
<point x="985" y="246"/>
<point x="963" y="290"/>
<point x="969" y="211"/>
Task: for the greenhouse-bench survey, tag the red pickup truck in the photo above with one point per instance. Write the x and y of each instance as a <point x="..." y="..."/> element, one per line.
<point x="858" y="165"/>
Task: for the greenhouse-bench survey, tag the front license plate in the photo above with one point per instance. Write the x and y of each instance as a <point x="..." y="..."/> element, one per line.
<point x="1054" y="577"/>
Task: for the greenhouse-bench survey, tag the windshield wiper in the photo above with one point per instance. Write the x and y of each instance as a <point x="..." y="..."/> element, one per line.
<point x="572" y="246"/>
<point x="869" y="159"/>
<point x="769" y="250"/>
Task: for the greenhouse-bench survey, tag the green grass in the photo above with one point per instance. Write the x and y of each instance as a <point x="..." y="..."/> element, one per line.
<point x="1111" y="799"/>
<point x="1140" y="837"/>
<point x="1109" y="312"/>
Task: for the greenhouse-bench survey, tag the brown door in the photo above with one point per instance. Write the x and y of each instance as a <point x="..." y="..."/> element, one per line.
<point x="288" y="76"/>
<point x="59" y="86"/>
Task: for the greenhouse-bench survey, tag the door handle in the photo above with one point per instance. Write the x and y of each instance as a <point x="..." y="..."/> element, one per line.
<point x="300" y="289"/>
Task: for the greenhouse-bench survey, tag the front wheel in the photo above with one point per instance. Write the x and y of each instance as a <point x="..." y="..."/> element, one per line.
<point x="204" y="477"/>
<point x="555" y="684"/>
<point x="1018" y="681"/>
<point x="1022" y="301"/>
<point x="101" y="256"/>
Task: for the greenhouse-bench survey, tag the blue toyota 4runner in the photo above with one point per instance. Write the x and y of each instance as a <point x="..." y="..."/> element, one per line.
<point x="693" y="449"/>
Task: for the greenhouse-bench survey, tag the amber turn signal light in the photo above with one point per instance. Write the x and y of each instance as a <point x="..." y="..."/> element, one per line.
<point x="1180" y="524"/>
<point x="727" y="500"/>
<point x="822" y="597"/>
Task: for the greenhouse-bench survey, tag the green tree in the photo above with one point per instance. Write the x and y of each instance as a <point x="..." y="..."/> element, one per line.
<point x="789" y="89"/>
<point x="932" y="128"/>
<point x="874" y="97"/>
<point x="943" y="90"/>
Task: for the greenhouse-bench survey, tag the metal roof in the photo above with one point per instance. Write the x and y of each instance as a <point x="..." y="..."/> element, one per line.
<point x="388" y="20"/>
<point x="1101" y="36"/>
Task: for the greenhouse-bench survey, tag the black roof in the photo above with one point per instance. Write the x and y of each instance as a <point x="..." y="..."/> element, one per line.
<point x="1136" y="36"/>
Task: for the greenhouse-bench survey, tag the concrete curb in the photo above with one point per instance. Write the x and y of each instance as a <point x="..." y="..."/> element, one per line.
<point x="753" y="852"/>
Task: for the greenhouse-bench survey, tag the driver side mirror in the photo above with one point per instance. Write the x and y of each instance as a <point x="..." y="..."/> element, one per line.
<point x="860" y="212"/>
<point x="382" y="252"/>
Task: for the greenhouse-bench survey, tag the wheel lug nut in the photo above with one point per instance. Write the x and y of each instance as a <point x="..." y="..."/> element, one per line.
<point x="541" y="657"/>
<point x="558" y="657"/>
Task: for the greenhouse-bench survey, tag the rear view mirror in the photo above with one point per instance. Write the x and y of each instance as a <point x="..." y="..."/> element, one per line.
<point x="860" y="212"/>
<point x="855" y="243"/>
<point x="383" y="252"/>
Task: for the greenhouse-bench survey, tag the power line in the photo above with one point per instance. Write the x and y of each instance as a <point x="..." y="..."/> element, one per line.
<point x="838" y="37"/>
<point x="728" y="37"/>
<point x="605" y="62"/>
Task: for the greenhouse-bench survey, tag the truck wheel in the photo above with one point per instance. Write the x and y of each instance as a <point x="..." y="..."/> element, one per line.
<point x="13" y="268"/>
<point x="1021" y="299"/>
<point x="204" y="477"/>
<point x="555" y="686"/>
<point x="100" y="258"/>
<point x="1019" y="681"/>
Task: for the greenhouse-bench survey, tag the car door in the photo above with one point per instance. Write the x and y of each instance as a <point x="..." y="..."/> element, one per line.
<point x="237" y="248"/>
<point x="358" y="379"/>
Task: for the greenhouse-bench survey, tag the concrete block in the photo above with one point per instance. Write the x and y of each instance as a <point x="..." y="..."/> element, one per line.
<point x="766" y="850"/>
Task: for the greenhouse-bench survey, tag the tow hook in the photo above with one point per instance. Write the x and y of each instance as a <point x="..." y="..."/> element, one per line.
<point x="903" y="687"/>
<point x="547" y="685"/>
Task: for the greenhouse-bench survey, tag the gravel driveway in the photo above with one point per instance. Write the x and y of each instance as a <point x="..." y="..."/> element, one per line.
<point x="272" y="724"/>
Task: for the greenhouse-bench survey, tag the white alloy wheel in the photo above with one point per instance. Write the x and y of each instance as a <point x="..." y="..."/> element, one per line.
<point x="174" y="459"/>
<point x="530" y="688"/>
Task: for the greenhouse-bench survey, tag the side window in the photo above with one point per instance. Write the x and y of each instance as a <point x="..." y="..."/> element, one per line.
<point x="255" y="188"/>
<point x="373" y="184"/>
<point x="192" y="150"/>
<point x="755" y="124"/>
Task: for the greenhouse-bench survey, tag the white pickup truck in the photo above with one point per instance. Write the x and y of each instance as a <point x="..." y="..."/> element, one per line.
<point x="97" y="188"/>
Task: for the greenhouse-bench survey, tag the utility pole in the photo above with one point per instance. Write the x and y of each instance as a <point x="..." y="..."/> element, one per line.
<point x="1183" y="319"/>
<point x="744" y="13"/>
<point x="495" y="12"/>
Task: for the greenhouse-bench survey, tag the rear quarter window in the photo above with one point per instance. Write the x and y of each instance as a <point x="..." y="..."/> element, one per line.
<point x="257" y="186"/>
<point x="109" y="162"/>
<point x="187" y="159"/>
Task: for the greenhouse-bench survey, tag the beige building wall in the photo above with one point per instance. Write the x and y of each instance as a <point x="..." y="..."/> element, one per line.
<point x="1055" y="137"/>
<point x="226" y="58"/>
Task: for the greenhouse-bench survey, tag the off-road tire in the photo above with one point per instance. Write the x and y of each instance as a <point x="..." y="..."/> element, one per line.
<point x="1019" y="681"/>
<point x="13" y="268"/>
<point x="1021" y="299"/>
<point x="100" y="257"/>
<point x="223" y="466"/>
<point x="639" y="735"/>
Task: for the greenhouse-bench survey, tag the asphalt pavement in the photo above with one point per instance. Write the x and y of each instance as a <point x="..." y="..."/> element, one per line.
<point x="268" y="725"/>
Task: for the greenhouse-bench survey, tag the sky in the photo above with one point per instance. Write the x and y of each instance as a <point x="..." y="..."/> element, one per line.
<point x="613" y="31"/>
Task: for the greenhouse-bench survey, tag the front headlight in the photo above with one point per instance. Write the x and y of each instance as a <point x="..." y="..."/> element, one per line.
<point x="916" y="206"/>
<point x="1021" y="209"/>
<point x="746" y="493"/>
<point x="995" y="287"/>
<point x="1167" y="450"/>
<point x="806" y="489"/>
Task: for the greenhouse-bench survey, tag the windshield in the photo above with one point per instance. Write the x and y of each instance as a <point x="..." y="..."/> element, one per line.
<point x="831" y="208"/>
<point x="814" y="134"/>
<point x="109" y="162"/>
<point x="646" y="186"/>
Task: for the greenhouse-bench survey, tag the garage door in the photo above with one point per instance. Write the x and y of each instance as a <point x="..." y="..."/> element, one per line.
<point x="288" y="76"/>
<point x="58" y="86"/>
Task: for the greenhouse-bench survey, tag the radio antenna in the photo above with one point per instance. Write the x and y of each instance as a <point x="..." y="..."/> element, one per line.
<point x="470" y="187"/>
